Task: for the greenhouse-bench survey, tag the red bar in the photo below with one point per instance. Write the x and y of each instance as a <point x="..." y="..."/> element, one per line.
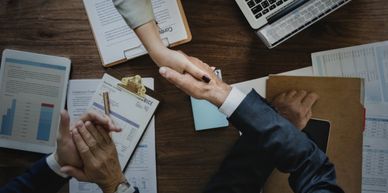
<point x="47" y="105"/>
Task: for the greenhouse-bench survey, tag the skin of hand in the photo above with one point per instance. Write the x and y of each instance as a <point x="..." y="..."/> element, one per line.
<point x="162" y="56"/>
<point x="216" y="91"/>
<point x="66" y="152"/>
<point x="296" y="106"/>
<point x="99" y="156"/>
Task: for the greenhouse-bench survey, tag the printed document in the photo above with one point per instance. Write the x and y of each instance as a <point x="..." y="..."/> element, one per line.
<point x="141" y="171"/>
<point x="117" y="42"/>
<point x="371" y="63"/>
<point x="32" y="94"/>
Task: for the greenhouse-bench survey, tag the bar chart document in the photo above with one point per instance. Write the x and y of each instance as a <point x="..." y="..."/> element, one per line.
<point x="370" y="62"/>
<point x="32" y="94"/>
<point x="141" y="171"/>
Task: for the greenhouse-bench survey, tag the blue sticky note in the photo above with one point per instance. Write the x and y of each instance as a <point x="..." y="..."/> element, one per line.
<point x="206" y="115"/>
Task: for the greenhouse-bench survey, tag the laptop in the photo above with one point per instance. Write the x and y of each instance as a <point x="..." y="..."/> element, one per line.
<point x="275" y="21"/>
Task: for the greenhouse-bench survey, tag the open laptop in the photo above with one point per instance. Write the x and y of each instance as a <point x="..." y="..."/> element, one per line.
<point x="277" y="20"/>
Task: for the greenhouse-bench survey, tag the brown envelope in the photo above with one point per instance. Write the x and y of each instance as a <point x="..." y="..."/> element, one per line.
<point x="340" y="102"/>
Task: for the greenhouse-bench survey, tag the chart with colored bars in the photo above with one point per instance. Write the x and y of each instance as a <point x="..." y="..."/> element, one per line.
<point x="27" y="121"/>
<point x="8" y="119"/>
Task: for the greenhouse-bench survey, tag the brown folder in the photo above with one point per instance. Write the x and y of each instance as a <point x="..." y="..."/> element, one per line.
<point x="340" y="102"/>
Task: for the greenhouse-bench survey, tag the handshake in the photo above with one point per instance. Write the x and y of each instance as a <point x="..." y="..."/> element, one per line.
<point x="86" y="151"/>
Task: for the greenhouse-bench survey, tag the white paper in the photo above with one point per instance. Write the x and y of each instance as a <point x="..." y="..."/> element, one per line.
<point x="259" y="84"/>
<point x="32" y="94"/>
<point x="141" y="171"/>
<point x="370" y="62"/>
<point x="375" y="156"/>
<point x="367" y="61"/>
<point x="79" y="95"/>
<point x="116" y="41"/>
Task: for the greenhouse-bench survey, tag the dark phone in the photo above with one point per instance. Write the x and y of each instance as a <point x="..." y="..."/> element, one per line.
<point x="318" y="131"/>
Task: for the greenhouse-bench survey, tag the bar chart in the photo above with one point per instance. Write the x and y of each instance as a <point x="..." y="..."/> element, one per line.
<point x="8" y="119"/>
<point x="45" y="119"/>
<point x="27" y="121"/>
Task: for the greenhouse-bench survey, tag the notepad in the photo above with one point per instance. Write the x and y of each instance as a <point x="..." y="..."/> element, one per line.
<point x="117" y="42"/>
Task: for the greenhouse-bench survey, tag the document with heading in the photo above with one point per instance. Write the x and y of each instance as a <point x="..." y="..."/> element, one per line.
<point x="141" y="171"/>
<point x="117" y="42"/>
<point x="370" y="62"/>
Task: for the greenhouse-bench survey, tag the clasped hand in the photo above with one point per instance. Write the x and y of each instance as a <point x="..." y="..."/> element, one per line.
<point x="86" y="151"/>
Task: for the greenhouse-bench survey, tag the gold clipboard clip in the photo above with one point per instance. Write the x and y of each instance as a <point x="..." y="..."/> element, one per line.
<point x="133" y="85"/>
<point x="132" y="89"/>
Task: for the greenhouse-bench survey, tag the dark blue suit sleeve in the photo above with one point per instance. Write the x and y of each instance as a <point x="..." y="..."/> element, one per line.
<point x="38" y="179"/>
<point x="291" y="151"/>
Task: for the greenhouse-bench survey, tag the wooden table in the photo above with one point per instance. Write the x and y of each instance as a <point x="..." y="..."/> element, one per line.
<point x="221" y="37"/>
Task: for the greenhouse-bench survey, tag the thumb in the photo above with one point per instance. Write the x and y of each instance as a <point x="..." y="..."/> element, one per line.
<point x="74" y="172"/>
<point x="65" y="123"/>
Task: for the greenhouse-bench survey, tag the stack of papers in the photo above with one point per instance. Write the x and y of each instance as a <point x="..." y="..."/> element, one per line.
<point x="371" y="63"/>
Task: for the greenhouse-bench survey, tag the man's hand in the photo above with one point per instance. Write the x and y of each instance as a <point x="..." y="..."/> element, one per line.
<point x="99" y="156"/>
<point x="296" y="106"/>
<point x="66" y="152"/>
<point x="216" y="91"/>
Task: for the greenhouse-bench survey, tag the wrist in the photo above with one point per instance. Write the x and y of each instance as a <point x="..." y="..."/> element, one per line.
<point x="57" y="159"/>
<point x="219" y="94"/>
<point x="158" y="53"/>
<point x="111" y="187"/>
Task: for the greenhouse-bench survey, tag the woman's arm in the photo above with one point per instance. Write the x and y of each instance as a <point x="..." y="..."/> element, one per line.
<point x="139" y="16"/>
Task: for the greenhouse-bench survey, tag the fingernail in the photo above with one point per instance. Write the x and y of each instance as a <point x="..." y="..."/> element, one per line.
<point x="162" y="70"/>
<point x="206" y="79"/>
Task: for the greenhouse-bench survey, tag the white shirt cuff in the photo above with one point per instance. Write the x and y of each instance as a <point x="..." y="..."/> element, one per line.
<point x="231" y="103"/>
<point x="54" y="165"/>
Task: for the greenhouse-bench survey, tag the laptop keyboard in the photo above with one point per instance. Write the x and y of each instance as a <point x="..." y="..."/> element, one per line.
<point x="289" y="25"/>
<point x="261" y="7"/>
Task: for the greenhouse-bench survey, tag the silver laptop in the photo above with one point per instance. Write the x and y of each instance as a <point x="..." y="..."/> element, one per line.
<point x="277" y="20"/>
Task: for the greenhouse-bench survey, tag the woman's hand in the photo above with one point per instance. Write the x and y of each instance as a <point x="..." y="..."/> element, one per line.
<point x="165" y="57"/>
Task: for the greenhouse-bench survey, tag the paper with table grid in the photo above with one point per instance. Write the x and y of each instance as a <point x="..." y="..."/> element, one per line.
<point x="371" y="63"/>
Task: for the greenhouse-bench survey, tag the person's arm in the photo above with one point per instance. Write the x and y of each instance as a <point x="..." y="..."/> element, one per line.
<point x="291" y="151"/>
<point x="139" y="16"/>
<point x="39" y="178"/>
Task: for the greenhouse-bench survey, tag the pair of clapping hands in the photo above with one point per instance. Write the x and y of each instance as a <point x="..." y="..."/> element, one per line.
<point x="86" y="150"/>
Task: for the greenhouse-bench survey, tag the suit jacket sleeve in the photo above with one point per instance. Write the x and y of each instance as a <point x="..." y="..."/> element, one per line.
<point x="39" y="178"/>
<point x="291" y="151"/>
<point x="135" y="12"/>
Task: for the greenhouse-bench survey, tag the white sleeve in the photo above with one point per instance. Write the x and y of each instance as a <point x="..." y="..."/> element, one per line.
<point x="231" y="103"/>
<point x="54" y="165"/>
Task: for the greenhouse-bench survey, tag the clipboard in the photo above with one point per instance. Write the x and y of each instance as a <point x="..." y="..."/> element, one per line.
<point x="128" y="110"/>
<point x="125" y="54"/>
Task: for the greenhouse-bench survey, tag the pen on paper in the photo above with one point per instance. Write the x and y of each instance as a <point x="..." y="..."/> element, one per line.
<point x="105" y="96"/>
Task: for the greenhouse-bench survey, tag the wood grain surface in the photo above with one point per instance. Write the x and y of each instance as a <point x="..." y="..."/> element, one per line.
<point x="221" y="37"/>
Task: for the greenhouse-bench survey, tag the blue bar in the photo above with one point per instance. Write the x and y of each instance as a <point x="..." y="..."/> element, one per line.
<point x="37" y="64"/>
<point x="44" y="126"/>
<point x="3" y="124"/>
<point x="8" y="127"/>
